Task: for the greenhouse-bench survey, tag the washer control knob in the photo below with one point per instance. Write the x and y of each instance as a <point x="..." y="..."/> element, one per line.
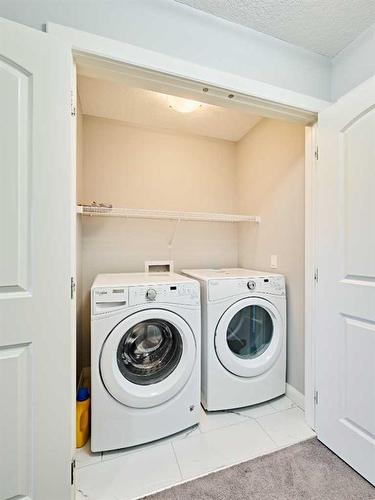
<point x="251" y="285"/>
<point x="151" y="294"/>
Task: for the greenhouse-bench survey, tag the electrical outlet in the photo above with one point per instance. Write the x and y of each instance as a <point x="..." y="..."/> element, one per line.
<point x="274" y="264"/>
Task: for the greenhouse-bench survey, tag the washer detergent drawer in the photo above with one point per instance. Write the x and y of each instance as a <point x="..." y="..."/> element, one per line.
<point x="106" y="300"/>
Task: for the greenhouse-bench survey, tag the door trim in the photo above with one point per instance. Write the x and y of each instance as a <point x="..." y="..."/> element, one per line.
<point x="186" y="77"/>
<point x="311" y="273"/>
<point x="94" y="52"/>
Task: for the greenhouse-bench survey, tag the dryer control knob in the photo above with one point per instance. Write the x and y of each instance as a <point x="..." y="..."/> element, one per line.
<point x="151" y="294"/>
<point x="251" y="285"/>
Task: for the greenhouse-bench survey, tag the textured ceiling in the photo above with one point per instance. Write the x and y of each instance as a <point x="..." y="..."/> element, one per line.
<point x="146" y="108"/>
<point x="323" y="26"/>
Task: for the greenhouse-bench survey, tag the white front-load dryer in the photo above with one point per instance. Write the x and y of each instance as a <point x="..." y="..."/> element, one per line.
<point x="243" y="336"/>
<point x="145" y="358"/>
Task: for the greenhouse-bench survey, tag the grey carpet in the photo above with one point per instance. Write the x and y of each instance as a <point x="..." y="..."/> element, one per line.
<point x="305" y="471"/>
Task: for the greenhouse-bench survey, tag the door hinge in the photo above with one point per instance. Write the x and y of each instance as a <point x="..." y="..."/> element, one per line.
<point x="72" y="468"/>
<point x="72" y="104"/>
<point x="316" y="154"/>
<point x="72" y="287"/>
<point x="316" y="397"/>
<point x="316" y="275"/>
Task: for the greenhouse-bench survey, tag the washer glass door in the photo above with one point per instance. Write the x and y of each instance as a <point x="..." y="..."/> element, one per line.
<point x="249" y="337"/>
<point x="148" y="358"/>
<point x="149" y="351"/>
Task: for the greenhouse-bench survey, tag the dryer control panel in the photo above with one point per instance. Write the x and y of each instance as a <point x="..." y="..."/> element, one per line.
<point x="225" y="288"/>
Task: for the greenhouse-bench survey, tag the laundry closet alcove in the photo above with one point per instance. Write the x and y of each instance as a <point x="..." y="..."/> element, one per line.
<point x="214" y="187"/>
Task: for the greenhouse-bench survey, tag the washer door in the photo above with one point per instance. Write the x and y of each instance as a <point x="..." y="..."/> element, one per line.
<point x="148" y="358"/>
<point x="249" y="337"/>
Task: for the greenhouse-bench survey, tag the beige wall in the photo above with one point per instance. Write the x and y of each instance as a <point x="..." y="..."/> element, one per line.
<point x="263" y="174"/>
<point x="144" y="168"/>
<point x="270" y="180"/>
<point x="139" y="168"/>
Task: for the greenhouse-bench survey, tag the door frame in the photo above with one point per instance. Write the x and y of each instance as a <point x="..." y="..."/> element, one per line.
<point x="95" y="54"/>
<point x="311" y="270"/>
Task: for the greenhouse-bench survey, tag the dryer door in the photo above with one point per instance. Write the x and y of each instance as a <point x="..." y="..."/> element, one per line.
<point x="148" y="358"/>
<point x="249" y="337"/>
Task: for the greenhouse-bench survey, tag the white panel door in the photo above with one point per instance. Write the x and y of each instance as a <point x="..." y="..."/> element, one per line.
<point x="346" y="289"/>
<point x="36" y="344"/>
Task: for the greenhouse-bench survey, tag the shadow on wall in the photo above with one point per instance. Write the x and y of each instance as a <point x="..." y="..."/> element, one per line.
<point x="270" y="183"/>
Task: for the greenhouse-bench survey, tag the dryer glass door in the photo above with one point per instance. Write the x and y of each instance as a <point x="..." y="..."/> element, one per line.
<point x="250" y="332"/>
<point x="249" y="337"/>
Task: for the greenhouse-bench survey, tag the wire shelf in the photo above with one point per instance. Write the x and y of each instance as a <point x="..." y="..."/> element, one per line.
<point x="136" y="213"/>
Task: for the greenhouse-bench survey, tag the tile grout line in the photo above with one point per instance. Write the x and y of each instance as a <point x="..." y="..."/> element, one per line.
<point x="249" y="417"/>
<point x="232" y="412"/>
<point x="245" y="417"/>
<point x="263" y="429"/>
<point x="176" y="458"/>
<point x="222" y="427"/>
<point x="236" y="412"/>
<point x="284" y="445"/>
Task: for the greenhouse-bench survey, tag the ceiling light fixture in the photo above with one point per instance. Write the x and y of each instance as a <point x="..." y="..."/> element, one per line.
<point x="183" y="105"/>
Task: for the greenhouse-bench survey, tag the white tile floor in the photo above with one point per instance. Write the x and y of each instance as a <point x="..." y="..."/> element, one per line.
<point x="222" y="439"/>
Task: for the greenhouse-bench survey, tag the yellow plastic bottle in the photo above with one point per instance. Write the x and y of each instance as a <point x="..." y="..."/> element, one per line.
<point x="82" y="417"/>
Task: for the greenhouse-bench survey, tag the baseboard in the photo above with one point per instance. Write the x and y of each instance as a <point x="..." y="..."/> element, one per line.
<point x="297" y="397"/>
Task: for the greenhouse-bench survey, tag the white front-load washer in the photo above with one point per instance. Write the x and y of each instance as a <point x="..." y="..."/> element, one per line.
<point x="243" y="336"/>
<point x="145" y="357"/>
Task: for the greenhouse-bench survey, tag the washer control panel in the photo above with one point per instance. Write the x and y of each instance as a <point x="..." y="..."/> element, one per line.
<point x="176" y="293"/>
<point x="105" y="300"/>
<point x="231" y="287"/>
<point x="151" y="294"/>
